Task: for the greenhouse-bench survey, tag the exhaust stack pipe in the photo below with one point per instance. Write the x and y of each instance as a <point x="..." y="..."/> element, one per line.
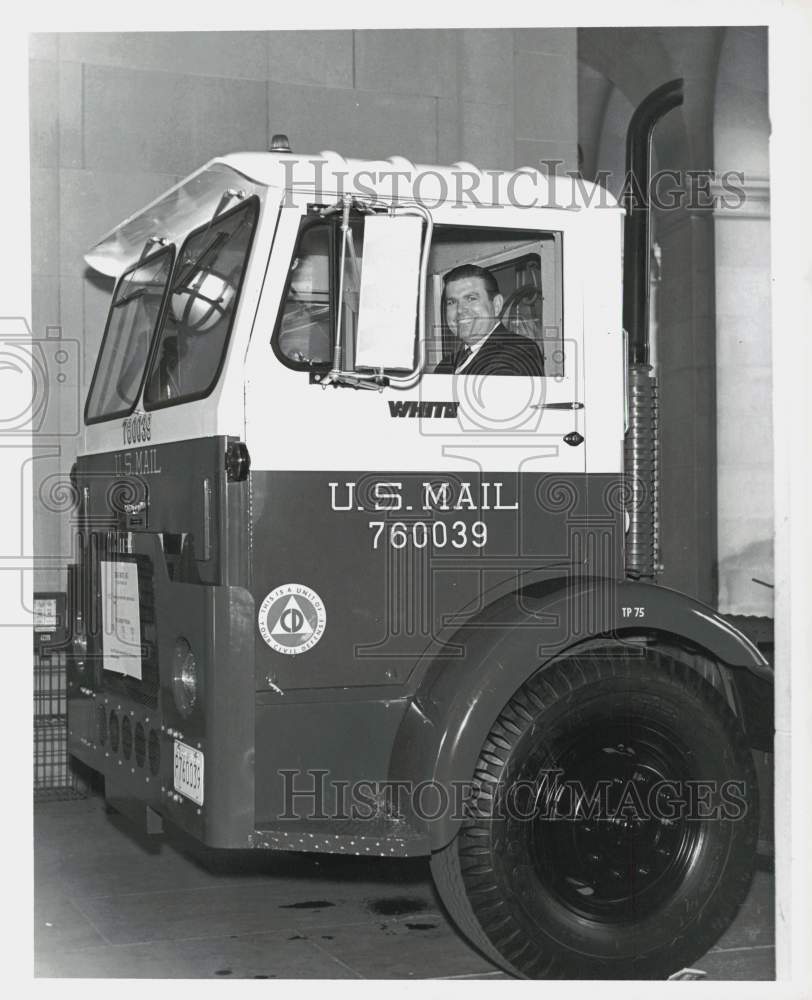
<point x="640" y="453"/>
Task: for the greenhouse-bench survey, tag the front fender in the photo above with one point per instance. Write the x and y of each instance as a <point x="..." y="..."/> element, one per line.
<point x="464" y="689"/>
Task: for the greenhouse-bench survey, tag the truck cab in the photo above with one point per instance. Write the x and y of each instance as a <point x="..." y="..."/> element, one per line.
<point x="341" y="587"/>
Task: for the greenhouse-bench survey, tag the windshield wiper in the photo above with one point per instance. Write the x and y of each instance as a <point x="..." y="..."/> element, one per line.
<point x="197" y="264"/>
<point x="129" y="298"/>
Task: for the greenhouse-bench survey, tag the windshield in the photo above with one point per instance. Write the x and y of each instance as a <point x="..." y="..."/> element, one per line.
<point x="203" y="300"/>
<point x="131" y="323"/>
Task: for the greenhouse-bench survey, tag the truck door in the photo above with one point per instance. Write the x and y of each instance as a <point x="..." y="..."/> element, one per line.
<point x="383" y="515"/>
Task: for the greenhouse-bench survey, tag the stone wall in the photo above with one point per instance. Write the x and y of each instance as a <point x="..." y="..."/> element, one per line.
<point x="117" y="118"/>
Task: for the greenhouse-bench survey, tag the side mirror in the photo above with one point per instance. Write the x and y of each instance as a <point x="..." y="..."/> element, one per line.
<point x="389" y="294"/>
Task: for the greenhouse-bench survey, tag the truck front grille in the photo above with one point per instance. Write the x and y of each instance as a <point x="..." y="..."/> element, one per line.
<point x="140" y="744"/>
<point x="154" y="752"/>
<point x="115" y="731"/>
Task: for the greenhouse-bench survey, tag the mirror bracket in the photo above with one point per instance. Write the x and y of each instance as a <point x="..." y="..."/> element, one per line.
<point x="351" y="380"/>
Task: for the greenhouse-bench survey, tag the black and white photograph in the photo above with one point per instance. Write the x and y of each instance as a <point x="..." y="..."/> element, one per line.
<point x="406" y="445"/>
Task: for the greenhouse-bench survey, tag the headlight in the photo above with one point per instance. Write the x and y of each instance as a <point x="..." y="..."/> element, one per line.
<point x="184" y="676"/>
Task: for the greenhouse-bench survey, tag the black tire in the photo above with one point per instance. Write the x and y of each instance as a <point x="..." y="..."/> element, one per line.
<point x="642" y="880"/>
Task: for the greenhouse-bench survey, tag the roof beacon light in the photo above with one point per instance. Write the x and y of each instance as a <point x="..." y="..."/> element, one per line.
<point x="280" y="143"/>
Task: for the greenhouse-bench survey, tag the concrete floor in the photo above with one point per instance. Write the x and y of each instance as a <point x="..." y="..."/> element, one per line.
<point x="108" y="904"/>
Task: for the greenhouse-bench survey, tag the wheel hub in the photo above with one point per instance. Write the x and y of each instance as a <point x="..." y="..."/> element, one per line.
<point x="600" y="842"/>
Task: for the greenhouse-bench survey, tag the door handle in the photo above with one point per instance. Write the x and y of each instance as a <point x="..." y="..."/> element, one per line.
<point x="557" y="406"/>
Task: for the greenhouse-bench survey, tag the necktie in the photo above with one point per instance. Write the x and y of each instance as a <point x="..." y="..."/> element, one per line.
<point x="462" y="356"/>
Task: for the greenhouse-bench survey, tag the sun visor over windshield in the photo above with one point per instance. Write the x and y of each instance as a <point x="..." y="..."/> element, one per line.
<point x="172" y="216"/>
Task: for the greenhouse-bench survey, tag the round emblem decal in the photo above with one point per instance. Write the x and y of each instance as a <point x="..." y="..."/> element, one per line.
<point x="292" y="619"/>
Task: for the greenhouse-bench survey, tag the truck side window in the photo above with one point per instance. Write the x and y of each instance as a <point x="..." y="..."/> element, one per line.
<point x="525" y="270"/>
<point x="203" y="299"/>
<point x="304" y="328"/>
<point x="527" y="267"/>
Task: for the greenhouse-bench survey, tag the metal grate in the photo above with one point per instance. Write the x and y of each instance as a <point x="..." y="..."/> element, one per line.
<point x="51" y="754"/>
<point x="126" y="737"/>
<point x="50" y="693"/>
<point x="58" y="794"/>
<point x="54" y="777"/>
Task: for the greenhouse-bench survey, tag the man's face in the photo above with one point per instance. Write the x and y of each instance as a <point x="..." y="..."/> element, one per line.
<point x="470" y="314"/>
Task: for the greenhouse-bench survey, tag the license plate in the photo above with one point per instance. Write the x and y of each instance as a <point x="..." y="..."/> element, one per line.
<point x="189" y="772"/>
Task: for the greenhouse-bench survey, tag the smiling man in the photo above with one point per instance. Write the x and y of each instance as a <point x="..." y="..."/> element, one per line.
<point x="472" y="304"/>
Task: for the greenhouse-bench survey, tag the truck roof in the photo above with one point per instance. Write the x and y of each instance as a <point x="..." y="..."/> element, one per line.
<point x="192" y="201"/>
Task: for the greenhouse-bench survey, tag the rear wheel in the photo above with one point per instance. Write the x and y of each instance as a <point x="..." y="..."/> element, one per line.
<point x="615" y="823"/>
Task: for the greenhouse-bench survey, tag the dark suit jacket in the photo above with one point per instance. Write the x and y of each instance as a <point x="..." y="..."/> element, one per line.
<point x="502" y="353"/>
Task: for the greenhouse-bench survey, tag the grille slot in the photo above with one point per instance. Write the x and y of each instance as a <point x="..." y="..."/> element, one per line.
<point x="101" y="719"/>
<point x="126" y="737"/>
<point x="140" y="744"/>
<point x="154" y="752"/>
<point x="114" y="731"/>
